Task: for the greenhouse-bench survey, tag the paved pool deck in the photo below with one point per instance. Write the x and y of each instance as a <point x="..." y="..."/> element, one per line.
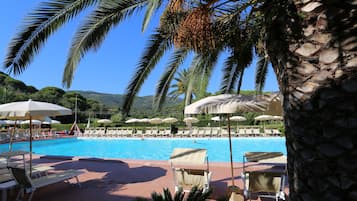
<point x="122" y="180"/>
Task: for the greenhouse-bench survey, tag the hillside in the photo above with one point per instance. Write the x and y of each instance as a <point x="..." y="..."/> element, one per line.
<point x="15" y="90"/>
<point x="142" y="104"/>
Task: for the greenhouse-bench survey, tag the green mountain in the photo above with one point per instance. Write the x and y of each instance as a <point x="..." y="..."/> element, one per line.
<point x="143" y="105"/>
<point x="15" y="90"/>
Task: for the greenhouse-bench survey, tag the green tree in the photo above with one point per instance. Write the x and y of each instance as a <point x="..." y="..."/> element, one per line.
<point x="195" y="194"/>
<point x="311" y="45"/>
<point x="49" y="94"/>
<point x="181" y="87"/>
<point x="69" y="100"/>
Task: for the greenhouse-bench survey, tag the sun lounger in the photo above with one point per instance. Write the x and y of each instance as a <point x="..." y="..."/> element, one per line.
<point x="276" y="132"/>
<point x="139" y="133"/>
<point x="256" y="132"/>
<point x="264" y="182"/>
<point x="215" y="132"/>
<point x="207" y="133"/>
<point x="28" y="185"/>
<point x="190" y="168"/>
<point x="186" y="133"/>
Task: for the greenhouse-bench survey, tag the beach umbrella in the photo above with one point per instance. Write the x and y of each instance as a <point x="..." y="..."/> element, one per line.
<point x="104" y="121"/>
<point x="190" y="120"/>
<point x="264" y="118"/>
<point x="133" y="120"/>
<point x="55" y="121"/>
<point x="11" y="122"/>
<point x="144" y="120"/>
<point x="238" y="119"/>
<point x="33" y="121"/>
<point x="227" y="104"/>
<point x="48" y="120"/>
<point x="31" y="110"/>
<point x="169" y="120"/>
<point x="155" y="120"/>
<point x="278" y="118"/>
<point x="216" y="118"/>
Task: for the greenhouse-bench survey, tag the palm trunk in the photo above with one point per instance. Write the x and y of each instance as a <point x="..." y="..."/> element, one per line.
<point x="318" y="78"/>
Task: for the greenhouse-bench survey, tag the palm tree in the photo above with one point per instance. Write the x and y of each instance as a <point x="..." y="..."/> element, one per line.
<point x="311" y="45"/>
<point x="195" y="194"/>
<point x="181" y="87"/>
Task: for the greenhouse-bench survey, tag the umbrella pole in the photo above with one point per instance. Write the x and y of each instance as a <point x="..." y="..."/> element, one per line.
<point x="30" y="146"/>
<point x="230" y="148"/>
<point x="12" y="137"/>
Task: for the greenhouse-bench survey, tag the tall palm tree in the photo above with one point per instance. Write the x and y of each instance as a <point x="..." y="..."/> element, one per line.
<point x="311" y="45"/>
<point x="181" y="87"/>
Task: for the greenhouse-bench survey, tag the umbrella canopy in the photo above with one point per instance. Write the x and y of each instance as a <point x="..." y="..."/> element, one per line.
<point x="190" y="120"/>
<point x="227" y="104"/>
<point x="264" y="118"/>
<point x="169" y="120"/>
<point x="55" y="122"/>
<point x="11" y="122"/>
<point x="155" y="120"/>
<point x="33" y="121"/>
<point x="280" y="118"/>
<point x="104" y="121"/>
<point x="144" y="120"/>
<point x="32" y="110"/>
<point x="238" y="118"/>
<point x="275" y="105"/>
<point x="129" y="121"/>
<point x="216" y="118"/>
<point x="50" y="121"/>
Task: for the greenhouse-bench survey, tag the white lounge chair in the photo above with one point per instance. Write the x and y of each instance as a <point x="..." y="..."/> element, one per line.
<point x="267" y="182"/>
<point x="28" y="185"/>
<point x="190" y="168"/>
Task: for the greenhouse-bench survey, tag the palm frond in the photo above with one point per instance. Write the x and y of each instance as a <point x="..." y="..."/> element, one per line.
<point x="151" y="7"/>
<point x="158" y="44"/>
<point x="92" y="33"/>
<point x="164" y="83"/>
<point x="240" y="81"/>
<point x="36" y="29"/>
<point x="261" y="73"/>
<point x="201" y="69"/>
<point x="230" y="74"/>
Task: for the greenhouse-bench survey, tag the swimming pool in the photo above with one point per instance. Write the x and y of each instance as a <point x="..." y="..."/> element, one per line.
<point x="150" y="148"/>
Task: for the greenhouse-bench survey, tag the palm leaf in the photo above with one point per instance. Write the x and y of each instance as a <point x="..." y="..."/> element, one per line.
<point x="92" y="33"/>
<point x="261" y="73"/>
<point x="151" y="7"/>
<point x="37" y="27"/>
<point x="201" y="69"/>
<point x="240" y="81"/>
<point x="230" y="74"/>
<point x="165" y="80"/>
<point x="158" y="44"/>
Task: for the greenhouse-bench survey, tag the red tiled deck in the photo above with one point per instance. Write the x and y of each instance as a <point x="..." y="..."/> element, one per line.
<point x="116" y="180"/>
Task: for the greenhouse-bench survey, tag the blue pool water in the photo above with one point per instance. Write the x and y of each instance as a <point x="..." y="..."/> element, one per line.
<point x="150" y="149"/>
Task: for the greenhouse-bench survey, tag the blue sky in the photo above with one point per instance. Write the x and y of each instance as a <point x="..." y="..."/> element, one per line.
<point x="109" y="69"/>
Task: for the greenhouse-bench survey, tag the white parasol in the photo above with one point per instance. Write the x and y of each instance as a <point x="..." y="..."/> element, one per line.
<point x="155" y="120"/>
<point x="32" y="110"/>
<point x="133" y="120"/>
<point x="169" y="120"/>
<point x="104" y="121"/>
<point x="227" y="104"/>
